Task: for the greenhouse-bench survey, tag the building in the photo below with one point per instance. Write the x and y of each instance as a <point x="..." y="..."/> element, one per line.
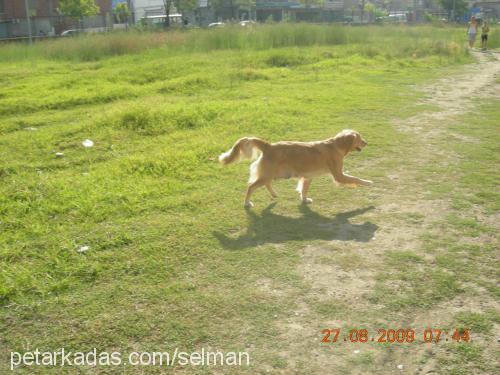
<point x="45" y="18"/>
<point x="295" y="11"/>
<point x="202" y="15"/>
<point x="145" y="8"/>
<point x="489" y="9"/>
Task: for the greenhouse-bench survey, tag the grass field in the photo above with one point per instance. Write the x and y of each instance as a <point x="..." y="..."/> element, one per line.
<point x="175" y="261"/>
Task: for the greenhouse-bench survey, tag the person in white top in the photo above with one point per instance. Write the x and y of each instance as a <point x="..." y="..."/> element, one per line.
<point x="472" y="31"/>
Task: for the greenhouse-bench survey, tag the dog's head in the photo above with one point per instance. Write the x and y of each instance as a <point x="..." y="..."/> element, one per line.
<point x="350" y="140"/>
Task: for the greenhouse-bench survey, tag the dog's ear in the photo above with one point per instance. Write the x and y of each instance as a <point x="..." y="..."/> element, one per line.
<point x="345" y="140"/>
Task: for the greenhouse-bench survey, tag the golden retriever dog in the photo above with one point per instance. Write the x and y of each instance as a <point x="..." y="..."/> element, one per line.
<point x="303" y="160"/>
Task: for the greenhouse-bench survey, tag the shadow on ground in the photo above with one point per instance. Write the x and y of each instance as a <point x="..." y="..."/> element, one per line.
<point x="272" y="228"/>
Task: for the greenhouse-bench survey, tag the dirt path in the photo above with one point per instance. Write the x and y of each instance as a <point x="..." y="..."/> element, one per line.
<point x="351" y="274"/>
<point x="455" y="95"/>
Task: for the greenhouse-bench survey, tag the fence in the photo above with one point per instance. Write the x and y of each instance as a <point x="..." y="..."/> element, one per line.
<point x="52" y="26"/>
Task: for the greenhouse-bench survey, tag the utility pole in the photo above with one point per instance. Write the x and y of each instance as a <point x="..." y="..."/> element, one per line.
<point x="28" y="18"/>
<point x="453" y="12"/>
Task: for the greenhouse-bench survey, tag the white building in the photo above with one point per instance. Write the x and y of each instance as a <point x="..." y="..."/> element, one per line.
<point x="145" y="8"/>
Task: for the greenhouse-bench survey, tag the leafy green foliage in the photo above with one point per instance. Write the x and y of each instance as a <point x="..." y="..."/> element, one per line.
<point x="309" y="3"/>
<point x="78" y="8"/>
<point x="459" y="5"/>
<point x="122" y="12"/>
<point x="185" y="5"/>
<point x="374" y="11"/>
<point x="232" y="5"/>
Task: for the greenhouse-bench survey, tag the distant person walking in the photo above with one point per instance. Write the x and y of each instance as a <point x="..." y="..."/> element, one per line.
<point x="484" y="35"/>
<point x="472" y="31"/>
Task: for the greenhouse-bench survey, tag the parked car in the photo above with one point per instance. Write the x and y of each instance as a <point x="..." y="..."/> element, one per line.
<point x="158" y="21"/>
<point x="216" y="24"/>
<point x="247" y="23"/>
<point x="71" y="32"/>
<point x="400" y="17"/>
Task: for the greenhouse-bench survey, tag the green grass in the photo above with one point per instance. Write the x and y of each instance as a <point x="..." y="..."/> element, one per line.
<point x="174" y="260"/>
<point x="494" y="38"/>
<point x="477" y="322"/>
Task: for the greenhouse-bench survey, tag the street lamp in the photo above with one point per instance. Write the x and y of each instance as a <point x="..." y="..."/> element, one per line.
<point x="26" y="5"/>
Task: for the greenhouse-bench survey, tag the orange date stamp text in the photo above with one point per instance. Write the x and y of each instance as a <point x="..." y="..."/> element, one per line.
<point x="401" y="335"/>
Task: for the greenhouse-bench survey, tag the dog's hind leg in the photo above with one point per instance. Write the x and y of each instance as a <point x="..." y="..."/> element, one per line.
<point x="271" y="190"/>
<point x="251" y="188"/>
<point x="302" y="188"/>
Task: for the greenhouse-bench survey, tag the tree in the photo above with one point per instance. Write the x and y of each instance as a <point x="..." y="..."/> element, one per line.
<point x="309" y="3"/>
<point x="220" y="5"/>
<point x="233" y="5"/>
<point x="122" y="13"/>
<point x="168" y="5"/>
<point x="362" y="8"/>
<point x="78" y="8"/>
<point x="459" y="5"/>
<point x="373" y="11"/>
<point x="184" y="6"/>
<point x="370" y="9"/>
<point x="246" y="5"/>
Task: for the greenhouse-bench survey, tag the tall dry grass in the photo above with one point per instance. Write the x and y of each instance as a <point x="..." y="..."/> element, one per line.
<point x="389" y="40"/>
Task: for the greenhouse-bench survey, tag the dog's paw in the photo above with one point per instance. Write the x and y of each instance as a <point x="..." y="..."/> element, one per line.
<point x="367" y="182"/>
<point x="248" y="204"/>
<point x="307" y="201"/>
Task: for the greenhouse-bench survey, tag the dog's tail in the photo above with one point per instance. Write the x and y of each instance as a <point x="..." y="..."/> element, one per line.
<point x="244" y="148"/>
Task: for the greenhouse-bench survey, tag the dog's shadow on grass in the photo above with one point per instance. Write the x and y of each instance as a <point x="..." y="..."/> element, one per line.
<point x="272" y="228"/>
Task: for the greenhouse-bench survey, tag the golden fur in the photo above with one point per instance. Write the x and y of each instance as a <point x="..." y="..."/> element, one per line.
<point x="303" y="160"/>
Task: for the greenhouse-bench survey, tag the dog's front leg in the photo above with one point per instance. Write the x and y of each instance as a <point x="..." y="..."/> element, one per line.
<point x="344" y="179"/>
<point x="351" y="180"/>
